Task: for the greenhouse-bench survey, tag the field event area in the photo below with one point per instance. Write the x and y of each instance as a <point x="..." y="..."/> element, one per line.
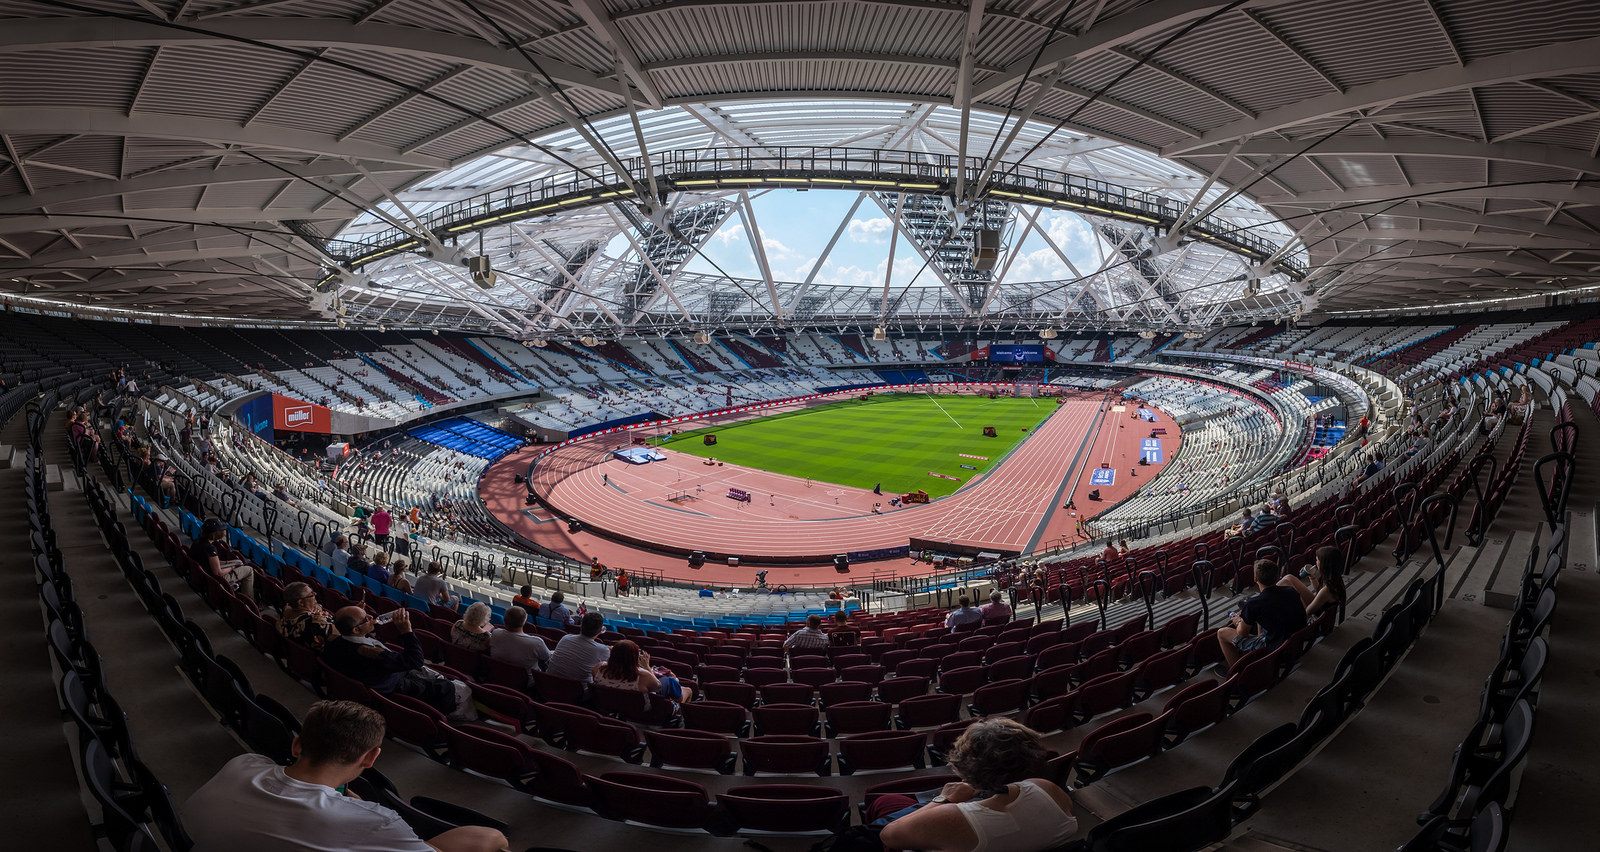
<point x="893" y="440"/>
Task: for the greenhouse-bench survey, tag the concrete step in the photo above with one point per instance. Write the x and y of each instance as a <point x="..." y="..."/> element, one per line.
<point x="1504" y="586"/>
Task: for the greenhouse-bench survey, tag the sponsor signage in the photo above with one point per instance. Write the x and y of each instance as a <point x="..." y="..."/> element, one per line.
<point x="293" y="415"/>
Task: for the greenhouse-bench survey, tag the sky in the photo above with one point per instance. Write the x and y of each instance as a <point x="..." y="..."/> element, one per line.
<point x="795" y="227"/>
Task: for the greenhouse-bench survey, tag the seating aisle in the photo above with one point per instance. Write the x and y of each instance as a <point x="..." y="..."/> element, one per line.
<point x="36" y="762"/>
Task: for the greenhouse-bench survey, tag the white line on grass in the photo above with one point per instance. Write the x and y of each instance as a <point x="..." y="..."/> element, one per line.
<point x="941" y="408"/>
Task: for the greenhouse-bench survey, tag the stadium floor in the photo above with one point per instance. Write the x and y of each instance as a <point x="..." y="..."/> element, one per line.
<point x="1021" y="500"/>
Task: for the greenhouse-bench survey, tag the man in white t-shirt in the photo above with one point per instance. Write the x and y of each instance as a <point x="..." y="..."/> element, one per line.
<point x="255" y="805"/>
<point x="513" y="645"/>
<point x="577" y="654"/>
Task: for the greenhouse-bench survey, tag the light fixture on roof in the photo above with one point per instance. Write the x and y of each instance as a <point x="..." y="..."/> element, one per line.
<point x="1147" y="334"/>
<point x="482" y="272"/>
<point x="589" y="340"/>
<point x="538" y="342"/>
<point x="1047" y="333"/>
<point x="1191" y="335"/>
<point x="702" y="338"/>
<point x="880" y="334"/>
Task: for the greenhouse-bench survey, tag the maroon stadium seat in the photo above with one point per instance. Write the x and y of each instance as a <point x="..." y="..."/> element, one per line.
<point x="717" y="717"/>
<point x="927" y="711"/>
<point x="788" y="808"/>
<point x="691" y="750"/>
<point x="882" y="750"/>
<point x="742" y="694"/>
<point x="999" y="697"/>
<point x="1052" y="714"/>
<point x="650" y="799"/>
<point x="897" y="689"/>
<point x="785" y="719"/>
<point x="1104" y="694"/>
<point x="845" y="690"/>
<point x="786" y="755"/>
<point x="1194" y="708"/>
<point x="855" y="717"/>
<point x="1122" y="741"/>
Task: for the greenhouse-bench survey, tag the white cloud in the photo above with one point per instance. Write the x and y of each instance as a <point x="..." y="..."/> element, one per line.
<point x="728" y="233"/>
<point x="869" y="230"/>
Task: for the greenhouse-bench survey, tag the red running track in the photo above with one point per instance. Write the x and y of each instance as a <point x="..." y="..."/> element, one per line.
<point x="791" y="520"/>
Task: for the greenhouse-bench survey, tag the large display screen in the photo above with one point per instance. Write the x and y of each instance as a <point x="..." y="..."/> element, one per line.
<point x="1016" y="353"/>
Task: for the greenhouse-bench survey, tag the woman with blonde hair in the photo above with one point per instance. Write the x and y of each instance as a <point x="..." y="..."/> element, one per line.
<point x="999" y="805"/>
<point x="472" y="631"/>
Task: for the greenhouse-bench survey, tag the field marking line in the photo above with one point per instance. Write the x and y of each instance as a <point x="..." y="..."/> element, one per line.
<point x="941" y="409"/>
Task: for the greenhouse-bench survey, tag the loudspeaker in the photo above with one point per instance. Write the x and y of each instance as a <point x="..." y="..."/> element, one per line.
<point x="841" y="563"/>
<point x="697" y="559"/>
<point x="574" y="525"/>
<point x="985" y="249"/>
<point x="519" y="479"/>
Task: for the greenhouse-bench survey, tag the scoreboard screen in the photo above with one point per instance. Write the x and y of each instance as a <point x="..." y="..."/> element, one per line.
<point x="1016" y="354"/>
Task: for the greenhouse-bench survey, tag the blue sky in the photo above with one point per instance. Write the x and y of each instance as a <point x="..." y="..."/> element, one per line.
<point x="795" y="227"/>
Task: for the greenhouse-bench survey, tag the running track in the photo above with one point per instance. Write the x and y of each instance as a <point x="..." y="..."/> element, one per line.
<point x="1001" y="511"/>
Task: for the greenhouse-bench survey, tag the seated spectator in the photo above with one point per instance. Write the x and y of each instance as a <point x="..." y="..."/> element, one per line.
<point x="996" y="610"/>
<point x="513" y="644"/>
<point x="379" y="568"/>
<point x="1122" y="547"/>
<point x="577" y="654"/>
<point x="1373" y="466"/>
<point x="303" y="619"/>
<point x="356" y="565"/>
<point x="1264" y="621"/>
<point x="556" y="610"/>
<point x="208" y="551"/>
<point x="810" y="636"/>
<point x="1261" y="521"/>
<point x="1277" y="503"/>
<point x="1324" y="584"/>
<point x="397" y="577"/>
<point x="526" y="601"/>
<point x="472" y="631"/>
<point x="627" y="667"/>
<point x="842" y="635"/>
<point x="431" y="586"/>
<point x="1242" y="527"/>
<point x="999" y="803"/>
<point x="339" y="556"/>
<point x="357" y="655"/>
<point x="964" y="613"/>
<point x="254" y="804"/>
<point x="1110" y="554"/>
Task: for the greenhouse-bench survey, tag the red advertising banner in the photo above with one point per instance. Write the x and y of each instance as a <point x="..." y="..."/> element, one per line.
<point x="292" y="415"/>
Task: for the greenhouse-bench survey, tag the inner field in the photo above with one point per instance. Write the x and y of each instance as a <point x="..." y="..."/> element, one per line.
<point x="893" y="440"/>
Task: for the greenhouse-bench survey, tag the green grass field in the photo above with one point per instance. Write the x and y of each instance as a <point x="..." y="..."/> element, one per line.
<point x="892" y="439"/>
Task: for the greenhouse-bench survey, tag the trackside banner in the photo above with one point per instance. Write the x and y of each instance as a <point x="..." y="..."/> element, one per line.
<point x="292" y="415"/>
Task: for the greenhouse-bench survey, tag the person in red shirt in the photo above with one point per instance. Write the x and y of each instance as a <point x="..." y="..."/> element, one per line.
<point x="381" y="522"/>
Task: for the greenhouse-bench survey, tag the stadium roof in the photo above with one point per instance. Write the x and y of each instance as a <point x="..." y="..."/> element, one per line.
<point x="196" y="155"/>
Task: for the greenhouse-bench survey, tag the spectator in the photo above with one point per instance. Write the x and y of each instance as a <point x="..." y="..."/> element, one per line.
<point x="1242" y="527"/>
<point x="556" y="610"/>
<point x="381" y="522"/>
<point x="1324" y="587"/>
<point x="339" y="556"/>
<point x="1373" y="466"/>
<point x="999" y="803"/>
<point x="1110" y="554"/>
<point x="964" y="613"/>
<point x="996" y="610"/>
<point x="397" y="577"/>
<point x="513" y="644"/>
<point x="810" y="636"/>
<point x="627" y="667"/>
<point x="431" y="586"/>
<point x="525" y="599"/>
<point x="253" y="804"/>
<point x="1261" y="521"/>
<point x="207" y="550"/>
<point x="1264" y="621"/>
<point x="472" y="631"/>
<point x="1122" y="548"/>
<point x="357" y="655"/>
<point x="303" y="619"/>
<point x="577" y="654"/>
<point x="379" y="569"/>
<point x="356" y="565"/>
<point x="843" y="635"/>
<point x="622" y="581"/>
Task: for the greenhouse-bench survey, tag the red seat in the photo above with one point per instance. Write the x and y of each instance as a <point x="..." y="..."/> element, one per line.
<point x="717" y="717"/>
<point x="492" y="753"/>
<point x="1054" y="681"/>
<point x="897" y="689"/>
<point x="412" y="721"/>
<point x="961" y="681"/>
<point x="650" y="799"/>
<point x="881" y="750"/>
<point x="1160" y="671"/>
<point x="592" y="732"/>
<point x="785" y="719"/>
<point x="786" y="755"/>
<point x="1052" y="714"/>
<point x="788" y="693"/>
<point x="814" y="676"/>
<point x="1104" y="694"/>
<point x="551" y="688"/>
<point x="1139" y="647"/>
<point x="836" y="693"/>
<point x="789" y="808"/>
<point x="1011" y="668"/>
<point x="1060" y="654"/>
<point x="1103" y="662"/>
<point x="1038" y="642"/>
<point x="960" y="660"/>
<point x="632" y="705"/>
<point x="716" y="674"/>
<point x="855" y="717"/>
<point x="927" y="711"/>
<point x="691" y="750"/>
<point x="1003" y="650"/>
<point x="759" y="677"/>
<point x="999" y="697"/>
<point x="1195" y="707"/>
<point x="1253" y="675"/>
<point x="1123" y="741"/>
<point x="1179" y="630"/>
<point x="506" y="674"/>
<point x="864" y="673"/>
<point x="742" y="694"/>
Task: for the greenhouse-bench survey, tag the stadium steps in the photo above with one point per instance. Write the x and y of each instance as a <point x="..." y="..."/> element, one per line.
<point x="1554" y="809"/>
<point x="36" y="763"/>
